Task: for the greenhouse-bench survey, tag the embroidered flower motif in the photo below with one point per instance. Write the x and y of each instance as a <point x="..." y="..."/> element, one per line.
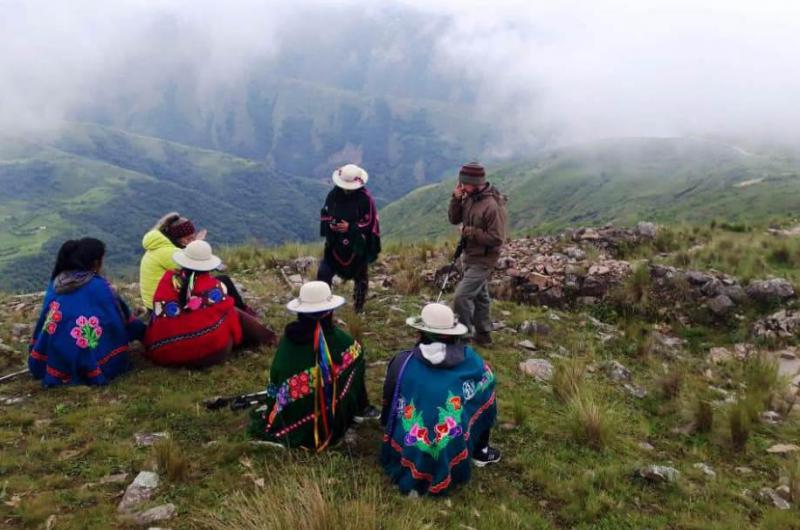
<point x="172" y="309"/>
<point x="215" y="296"/>
<point x="301" y="385"/>
<point x="53" y="317"/>
<point x="87" y="333"/>
<point x="446" y="429"/>
<point x="194" y="303"/>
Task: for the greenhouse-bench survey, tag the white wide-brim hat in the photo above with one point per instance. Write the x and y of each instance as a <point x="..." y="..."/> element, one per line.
<point x="350" y="177"/>
<point x="315" y="297"/>
<point x="197" y="256"/>
<point x="439" y="320"/>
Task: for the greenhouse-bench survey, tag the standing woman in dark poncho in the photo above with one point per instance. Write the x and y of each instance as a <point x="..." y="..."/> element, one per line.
<point x="349" y="224"/>
<point x="316" y="386"/>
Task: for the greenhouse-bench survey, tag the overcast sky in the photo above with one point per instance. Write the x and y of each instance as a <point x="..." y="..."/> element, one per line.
<point x="584" y="69"/>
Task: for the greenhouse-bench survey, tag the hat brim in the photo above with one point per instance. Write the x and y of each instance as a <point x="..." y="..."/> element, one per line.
<point x="350" y="185"/>
<point x="201" y="266"/>
<point x="417" y="323"/>
<point x="296" y="306"/>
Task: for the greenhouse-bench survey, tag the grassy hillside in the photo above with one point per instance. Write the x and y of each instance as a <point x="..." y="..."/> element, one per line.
<point x="621" y="181"/>
<point x="571" y="446"/>
<point x="95" y="181"/>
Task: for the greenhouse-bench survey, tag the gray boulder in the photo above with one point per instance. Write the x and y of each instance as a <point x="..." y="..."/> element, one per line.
<point x="772" y="290"/>
<point x="662" y="474"/>
<point x="721" y="305"/>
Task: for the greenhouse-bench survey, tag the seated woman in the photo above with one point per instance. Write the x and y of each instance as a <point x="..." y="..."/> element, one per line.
<point x="170" y="234"/>
<point x="84" y="328"/>
<point x="316" y="386"/>
<point x="194" y="321"/>
<point x="438" y="408"/>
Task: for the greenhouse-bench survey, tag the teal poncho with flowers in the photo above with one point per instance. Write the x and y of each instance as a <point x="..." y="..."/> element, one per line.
<point x="436" y="416"/>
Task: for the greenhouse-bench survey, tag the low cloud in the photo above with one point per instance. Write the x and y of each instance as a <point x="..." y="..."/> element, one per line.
<point x="540" y="72"/>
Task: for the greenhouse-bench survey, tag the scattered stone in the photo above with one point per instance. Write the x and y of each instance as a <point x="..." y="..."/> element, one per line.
<point x="646" y="229"/>
<point x="719" y="355"/>
<point x="116" y="478"/>
<point x="770" y="416"/>
<point x="541" y="369"/>
<point x="616" y="371"/>
<point x="721" y="305"/>
<point x="146" y="439"/>
<point x="785" y="492"/>
<point x="139" y="491"/>
<point x="742" y="470"/>
<point x="654" y="473"/>
<point x="666" y="345"/>
<point x="351" y="437"/>
<point x="782" y="324"/>
<point x="783" y="449"/>
<point x="21" y="330"/>
<point x="296" y="279"/>
<point x="154" y="515"/>
<point x="769" y="495"/>
<point x="68" y="454"/>
<point x="526" y="344"/>
<point x="13" y="400"/>
<point x="497" y="326"/>
<point x="302" y="264"/>
<point x="531" y="327"/>
<point x="636" y="391"/>
<point x="772" y="290"/>
<point x="575" y="253"/>
<point x="644" y="446"/>
<point x="706" y="469"/>
<point x="789" y="354"/>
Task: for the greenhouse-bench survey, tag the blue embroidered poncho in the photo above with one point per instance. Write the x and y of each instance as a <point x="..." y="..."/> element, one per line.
<point x="433" y="419"/>
<point x="82" y="336"/>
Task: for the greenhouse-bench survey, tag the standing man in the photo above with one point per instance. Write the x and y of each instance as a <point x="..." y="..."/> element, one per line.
<point x="349" y="224"/>
<point x="481" y="211"/>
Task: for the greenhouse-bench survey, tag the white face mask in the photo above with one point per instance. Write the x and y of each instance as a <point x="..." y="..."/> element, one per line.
<point x="434" y="353"/>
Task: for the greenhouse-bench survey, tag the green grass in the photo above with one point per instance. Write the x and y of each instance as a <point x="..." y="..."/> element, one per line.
<point x="559" y="470"/>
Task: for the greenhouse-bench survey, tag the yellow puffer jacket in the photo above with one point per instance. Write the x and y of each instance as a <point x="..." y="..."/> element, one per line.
<point x="156" y="261"/>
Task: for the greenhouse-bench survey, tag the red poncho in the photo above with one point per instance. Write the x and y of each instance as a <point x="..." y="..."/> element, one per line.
<point x="206" y="326"/>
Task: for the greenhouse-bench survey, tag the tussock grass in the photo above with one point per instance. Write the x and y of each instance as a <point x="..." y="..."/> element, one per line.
<point x="171" y="460"/>
<point x="669" y="384"/>
<point x="740" y="424"/>
<point x="763" y="380"/>
<point x="703" y="416"/>
<point x="313" y="501"/>
<point x="568" y="378"/>
<point x="590" y="421"/>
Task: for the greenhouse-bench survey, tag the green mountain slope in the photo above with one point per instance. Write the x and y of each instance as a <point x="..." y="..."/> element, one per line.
<point x="95" y="181"/>
<point x="621" y="181"/>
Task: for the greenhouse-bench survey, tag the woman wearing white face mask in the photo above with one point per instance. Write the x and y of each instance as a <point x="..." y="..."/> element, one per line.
<point x="438" y="408"/>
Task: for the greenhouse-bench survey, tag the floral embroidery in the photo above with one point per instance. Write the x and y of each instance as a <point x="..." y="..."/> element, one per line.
<point x="301" y="385"/>
<point x="87" y="332"/>
<point x="53" y="318"/>
<point x="447" y="428"/>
